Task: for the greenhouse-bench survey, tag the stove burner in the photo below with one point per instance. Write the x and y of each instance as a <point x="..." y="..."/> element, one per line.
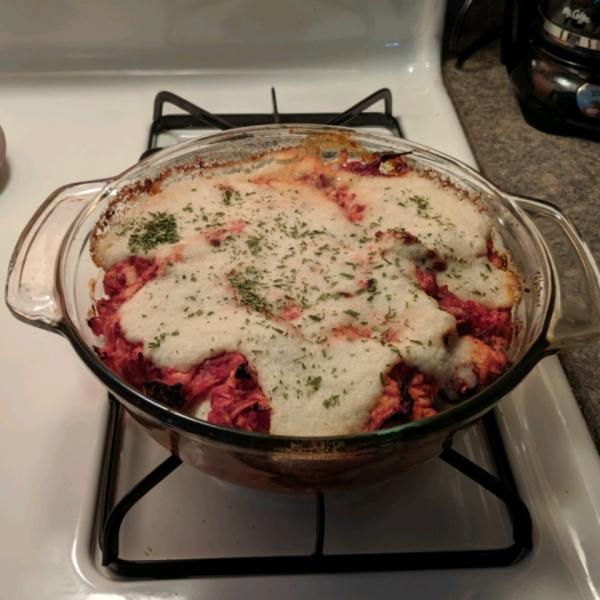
<point x="198" y="118"/>
<point x="111" y="515"/>
<point x="110" y="520"/>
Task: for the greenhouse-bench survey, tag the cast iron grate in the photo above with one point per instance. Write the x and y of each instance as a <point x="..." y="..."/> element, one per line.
<point x="111" y="515"/>
<point x="200" y="119"/>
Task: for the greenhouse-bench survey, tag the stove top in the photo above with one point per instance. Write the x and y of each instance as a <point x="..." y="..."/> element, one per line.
<point x="447" y="514"/>
<point x="473" y="513"/>
<point x="78" y="125"/>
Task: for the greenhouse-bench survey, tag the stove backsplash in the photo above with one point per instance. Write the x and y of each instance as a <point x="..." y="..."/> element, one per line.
<point x="124" y="35"/>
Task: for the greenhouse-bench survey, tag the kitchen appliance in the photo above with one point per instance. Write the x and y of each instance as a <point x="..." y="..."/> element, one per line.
<point x="72" y="106"/>
<point x="553" y="58"/>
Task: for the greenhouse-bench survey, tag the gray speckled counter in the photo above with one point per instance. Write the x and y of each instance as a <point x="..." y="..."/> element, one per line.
<point x="520" y="159"/>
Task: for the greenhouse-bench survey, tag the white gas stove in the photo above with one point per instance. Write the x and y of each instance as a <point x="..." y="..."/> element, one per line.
<point x="76" y="104"/>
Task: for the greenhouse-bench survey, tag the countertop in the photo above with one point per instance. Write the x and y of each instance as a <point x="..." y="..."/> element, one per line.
<point x="522" y="160"/>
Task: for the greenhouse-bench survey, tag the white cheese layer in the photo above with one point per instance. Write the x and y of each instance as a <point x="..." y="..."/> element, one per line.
<point x="322" y="306"/>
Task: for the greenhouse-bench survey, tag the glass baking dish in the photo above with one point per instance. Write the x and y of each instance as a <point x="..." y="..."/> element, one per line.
<point x="49" y="277"/>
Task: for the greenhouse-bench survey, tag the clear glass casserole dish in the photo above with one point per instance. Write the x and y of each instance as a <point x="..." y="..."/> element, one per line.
<point x="49" y="287"/>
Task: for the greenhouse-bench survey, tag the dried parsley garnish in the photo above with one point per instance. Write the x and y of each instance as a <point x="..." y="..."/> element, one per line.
<point x="421" y="202"/>
<point x="247" y="284"/>
<point x="228" y="195"/>
<point x="160" y="228"/>
<point x="332" y="401"/>
<point x="313" y="384"/>
<point x="254" y="244"/>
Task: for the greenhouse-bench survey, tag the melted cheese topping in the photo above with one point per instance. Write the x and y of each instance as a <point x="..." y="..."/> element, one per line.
<point x="322" y="306"/>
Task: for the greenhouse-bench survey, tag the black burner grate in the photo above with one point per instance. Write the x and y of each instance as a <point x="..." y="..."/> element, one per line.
<point x="200" y="119"/>
<point x="111" y="515"/>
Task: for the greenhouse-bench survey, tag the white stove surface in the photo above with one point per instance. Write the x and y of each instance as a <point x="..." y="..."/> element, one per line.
<point x="65" y="128"/>
<point x="432" y="508"/>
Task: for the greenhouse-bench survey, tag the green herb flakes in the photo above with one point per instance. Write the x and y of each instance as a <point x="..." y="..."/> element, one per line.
<point x="421" y="202"/>
<point x="254" y="244"/>
<point x="313" y="384"/>
<point x="332" y="401"/>
<point x="247" y="285"/>
<point x="159" y="228"/>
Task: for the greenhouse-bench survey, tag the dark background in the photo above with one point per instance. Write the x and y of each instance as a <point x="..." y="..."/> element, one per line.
<point x="482" y="16"/>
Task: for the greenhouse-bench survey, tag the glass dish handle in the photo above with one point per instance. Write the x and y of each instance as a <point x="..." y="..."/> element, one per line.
<point x="576" y="317"/>
<point x="30" y="287"/>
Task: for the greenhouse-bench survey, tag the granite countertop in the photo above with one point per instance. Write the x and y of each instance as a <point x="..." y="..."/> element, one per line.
<point x="520" y="159"/>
